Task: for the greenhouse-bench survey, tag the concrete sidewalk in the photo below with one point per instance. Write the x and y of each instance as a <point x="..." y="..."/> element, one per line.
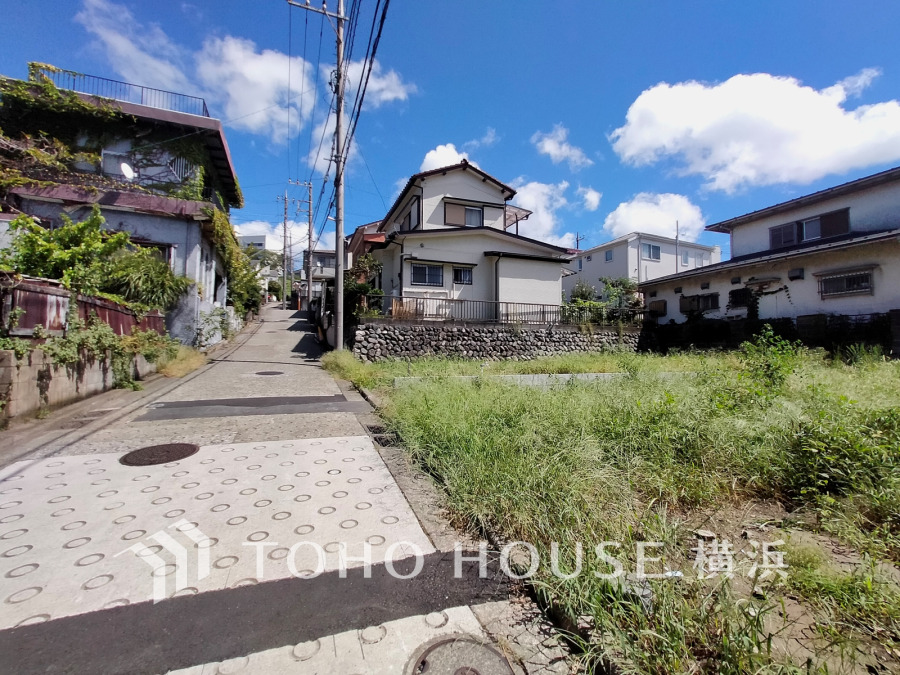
<point x="233" y="559"/>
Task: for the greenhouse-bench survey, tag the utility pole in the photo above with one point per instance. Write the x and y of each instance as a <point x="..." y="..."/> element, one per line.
<point x="338" y="26"/>
<point x="578" y="238"/>
<point x="309" y="248"/>
<point x="284" y="255"/>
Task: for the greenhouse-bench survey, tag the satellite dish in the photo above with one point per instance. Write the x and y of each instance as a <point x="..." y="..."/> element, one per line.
<point x="127" y="171"/>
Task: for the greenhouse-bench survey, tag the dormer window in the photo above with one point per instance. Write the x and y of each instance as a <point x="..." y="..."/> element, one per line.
<point x="824" y="226"/>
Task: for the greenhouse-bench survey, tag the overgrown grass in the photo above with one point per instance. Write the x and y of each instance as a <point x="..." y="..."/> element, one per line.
<point x="626" y="460"/>
<point x="186" y="360"/>
<point x="382" y="374"/>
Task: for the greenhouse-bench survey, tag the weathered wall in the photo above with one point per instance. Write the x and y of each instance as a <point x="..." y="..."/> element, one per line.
<point x="35" y="382"/>
<point x="376" y="342"/>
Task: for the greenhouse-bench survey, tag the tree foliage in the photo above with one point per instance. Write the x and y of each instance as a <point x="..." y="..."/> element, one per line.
<point x="583" y="291"/>
<point x="90" y="260"/>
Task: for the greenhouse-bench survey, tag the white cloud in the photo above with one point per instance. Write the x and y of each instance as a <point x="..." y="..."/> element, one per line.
<point x="326" y="241"/>
<point x="252" y="86"/>
<point x="555" y="146"/>
<point x="142" y="54"/>
<point x="384" y="87"/>
<point x="590" y="198"/>
<point x="256" y="228"/>
<point x="490" y="138"/>
<point x="656" y="214"/>
<point x="544" y="200"/>
<point x="759" y="129"/>
<point x="443" y="155"/>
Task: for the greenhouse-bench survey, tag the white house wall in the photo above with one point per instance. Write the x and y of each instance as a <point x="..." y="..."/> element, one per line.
<point x="459" y="185"/>
<point x="627" y="262"/>
<point x="529" y="281"/>
<point x="873" y="209"/>
<point x="802" y="296"/>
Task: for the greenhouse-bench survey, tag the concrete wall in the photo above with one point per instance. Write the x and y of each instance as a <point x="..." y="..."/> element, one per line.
<point x="801" y="296"/>
<point x="378" y="342"/>
<point x="35" y="383"/>
<point x="873" y="209"/>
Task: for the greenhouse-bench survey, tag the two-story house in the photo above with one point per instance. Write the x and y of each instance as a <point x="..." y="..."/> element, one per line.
<point x="155" y="162"/>
<point x="836" y="251"/>
<point x="640" y="257"/>
<point x="447" y="237"/>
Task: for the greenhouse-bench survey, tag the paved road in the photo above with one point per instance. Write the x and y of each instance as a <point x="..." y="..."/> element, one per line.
<point x="229" y="560"/>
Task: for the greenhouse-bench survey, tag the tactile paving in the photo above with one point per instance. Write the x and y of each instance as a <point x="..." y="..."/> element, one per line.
<point x="66" y="523"/>
<point x="385" y="649"/>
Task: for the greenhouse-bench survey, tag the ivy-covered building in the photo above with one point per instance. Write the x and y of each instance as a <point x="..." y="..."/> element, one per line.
<point x="156" y="164"/>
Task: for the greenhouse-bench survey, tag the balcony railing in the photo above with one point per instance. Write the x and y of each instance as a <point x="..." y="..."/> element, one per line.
<point x="408" y="308"/>
<point x="124" y="91"/>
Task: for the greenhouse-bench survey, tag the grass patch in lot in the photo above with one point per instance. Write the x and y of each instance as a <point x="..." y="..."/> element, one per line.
<point x="186" y="360"/>
<point x="631" y="460"/>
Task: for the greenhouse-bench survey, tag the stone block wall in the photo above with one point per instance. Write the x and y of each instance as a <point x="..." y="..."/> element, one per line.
<point x="376" y="342"/>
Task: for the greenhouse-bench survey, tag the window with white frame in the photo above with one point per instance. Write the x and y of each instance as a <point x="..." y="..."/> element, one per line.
<point x="685" y="258"/>
<point x="810" y="229"/>
<point x="427" y="275"/>
<point x="474" y="216"/>
<point x="462" y="275"/>
<point x="848" y="282"/>
<point x="650" y="252"/>
<point x="580" y="264"/>
<point x="609" y="255"/>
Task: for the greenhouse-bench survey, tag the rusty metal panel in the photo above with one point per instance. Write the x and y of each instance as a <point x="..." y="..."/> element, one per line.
<point x="43" y="306"/>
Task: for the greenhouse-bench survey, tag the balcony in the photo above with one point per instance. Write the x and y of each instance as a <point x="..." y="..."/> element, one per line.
<point x="124" y="91"/>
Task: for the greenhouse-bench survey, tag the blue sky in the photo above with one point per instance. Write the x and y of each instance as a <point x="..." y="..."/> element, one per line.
<point x="607" y="117"/>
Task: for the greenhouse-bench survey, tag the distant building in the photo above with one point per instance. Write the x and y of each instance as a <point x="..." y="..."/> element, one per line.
<point x="266" y="242"/>
<point x="637" y="256"/>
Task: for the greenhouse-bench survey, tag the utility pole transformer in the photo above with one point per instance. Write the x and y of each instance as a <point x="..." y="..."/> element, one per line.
<point x="338" y="25"/>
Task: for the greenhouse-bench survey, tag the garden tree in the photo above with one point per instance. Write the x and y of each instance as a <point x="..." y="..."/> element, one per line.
<point x="90" y="260"/>
<point x="275" y="288"/>
<point x="357" y="283"/>
<point x="583" y="291"/>
<point x="262" y="257"/>
<point x="244" y="290"/>
<point x="620" y="293"/>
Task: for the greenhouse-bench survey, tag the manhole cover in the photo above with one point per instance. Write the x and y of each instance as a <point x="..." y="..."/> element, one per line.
<point x="159" y="454"/>
<point x="457" y="655"/>
<point x="270" y="372"/>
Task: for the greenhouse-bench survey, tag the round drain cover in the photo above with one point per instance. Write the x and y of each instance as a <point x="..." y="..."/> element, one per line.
<point x="457" y="655"/>
<point x="159" y="454"/>
<point x="270" y="372"/>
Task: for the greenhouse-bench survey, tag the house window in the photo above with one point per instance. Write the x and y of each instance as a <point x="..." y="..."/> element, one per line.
<point x="699" y="260"/>
<point x="810" y="229"/>
<point x="685" y="258"/>
<point x="609" y="256"/>
<point x="427" y="275"/>
<point x="851" y="282"/>
<point x="658" y="308"/>
<point x="474" y="217"/>
<point x="783" y="235"/>
<point x="580" y="264"/>
<point x="698" y="303"/>
<point x="462" y="275"/>
<point x="589" y="258"/>
<point x="739" y="297"/>
<point x="650" y="251"/>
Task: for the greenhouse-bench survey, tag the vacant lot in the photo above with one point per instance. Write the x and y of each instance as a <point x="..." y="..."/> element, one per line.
<point x="768" y="444"/>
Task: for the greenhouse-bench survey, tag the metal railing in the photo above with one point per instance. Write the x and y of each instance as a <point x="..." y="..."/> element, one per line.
<point x="124" y="91"/>
<point x="414" y="308"/>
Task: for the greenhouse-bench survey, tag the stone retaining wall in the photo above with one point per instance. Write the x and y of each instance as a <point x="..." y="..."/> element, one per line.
<point x="376" y="342"/>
